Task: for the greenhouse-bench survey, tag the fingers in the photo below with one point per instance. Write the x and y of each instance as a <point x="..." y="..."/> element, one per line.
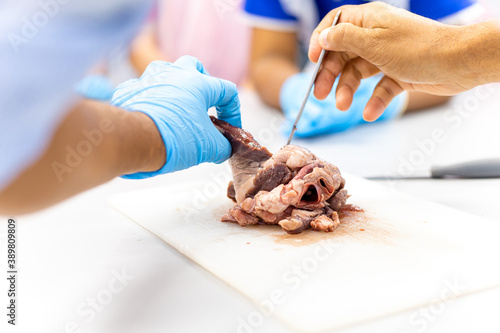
<point x="347" y="37"/>
<point x="185" y="62"/>
<point x="355" y="70"/>
<point x="333" y="64"/>
<point x="326" y="22"/>
<point x="352" y="70"/>
<point x="190" y="62"/>
<point x="226" y="101"/>
<point x="155" y="67"/>
<point x="220" y="148"/>
<point x="382" y="95"/>
<point x="324" y="84"/>
<point x="337" y="38"/>
<point x="350" y="33"/>
<point x="224" y="94"/>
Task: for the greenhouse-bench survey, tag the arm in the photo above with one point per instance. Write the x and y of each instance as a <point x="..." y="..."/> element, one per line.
<point x="97" y="142"/>
<point x="273" y="60"/>
<point x="480" y="47"/>
<point x="445" y="60"/>
<point x="144" y="49"/>
<point x="280" y="83"/>
<point x="419" y="101"/>
<point x="105" y="142"/>
<point x="466" y="13"/>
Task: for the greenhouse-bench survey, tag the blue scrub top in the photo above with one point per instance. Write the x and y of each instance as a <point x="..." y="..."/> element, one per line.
<point x="283" y="9"/>
<point x="302" y="16"/>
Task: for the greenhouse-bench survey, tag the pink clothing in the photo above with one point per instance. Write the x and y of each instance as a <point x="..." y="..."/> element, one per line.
<point x="212" y="31"/>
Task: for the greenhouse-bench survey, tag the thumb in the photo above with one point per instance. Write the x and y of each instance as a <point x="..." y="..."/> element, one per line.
<point x="192" y="63"/>
<point x="224" y="96"/>
<point x="219" y="148"/>
<point x="347" y="37"/>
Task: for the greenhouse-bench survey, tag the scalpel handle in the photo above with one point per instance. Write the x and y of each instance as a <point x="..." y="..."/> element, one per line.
<point x="315" y="74"/>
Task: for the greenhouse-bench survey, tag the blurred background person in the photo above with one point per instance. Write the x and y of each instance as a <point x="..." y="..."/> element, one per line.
<point x="280" y="70"/>
<point x="212" y="31"/>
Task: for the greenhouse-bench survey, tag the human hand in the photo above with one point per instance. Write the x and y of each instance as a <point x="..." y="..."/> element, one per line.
<point x="322" y="116"/>
<point x="176" y="96"/>
<point x="414" y="53"/>
<point x="97" y="87"/>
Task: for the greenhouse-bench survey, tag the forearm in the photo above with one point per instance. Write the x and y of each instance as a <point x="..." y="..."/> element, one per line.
<point x="273" y="60"/>
<point x="419" y="101"/>
<point x="268" y="74"/>
<point x="491" y="63"/>
<point x="478" y="55"/>
<point x="145" y="50"/>
<point x="94" y="144"/>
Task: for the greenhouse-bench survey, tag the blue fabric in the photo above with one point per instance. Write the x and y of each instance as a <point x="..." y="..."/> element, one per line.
<point x="435" y="9"/>
<point x="268" y="8"/>
<point x="46" y="47"/>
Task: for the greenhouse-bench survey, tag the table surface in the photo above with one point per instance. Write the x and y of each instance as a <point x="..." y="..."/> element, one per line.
<point x="71" y="254"/>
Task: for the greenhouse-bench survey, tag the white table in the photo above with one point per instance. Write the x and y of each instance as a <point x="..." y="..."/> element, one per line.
<point x="70" y="253"/>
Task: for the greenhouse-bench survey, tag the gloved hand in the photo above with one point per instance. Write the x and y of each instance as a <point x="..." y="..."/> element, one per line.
<point x="177" y="96"/>
<point x="321" y="116"/>
<point x="97" y="87"/>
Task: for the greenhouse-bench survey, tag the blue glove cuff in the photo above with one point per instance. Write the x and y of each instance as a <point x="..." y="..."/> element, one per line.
<point x="167" y="167"/>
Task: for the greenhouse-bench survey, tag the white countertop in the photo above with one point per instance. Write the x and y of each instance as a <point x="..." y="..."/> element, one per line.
<point x="70" y="254"/>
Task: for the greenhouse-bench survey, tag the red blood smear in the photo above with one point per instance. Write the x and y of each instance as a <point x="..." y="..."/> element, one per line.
<point x="350" y="208"/>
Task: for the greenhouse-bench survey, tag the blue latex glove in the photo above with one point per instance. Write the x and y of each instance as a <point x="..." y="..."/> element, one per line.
<point x="177" y="96"/>
<point x="322" y="117"/>
<point x="97" y="87"/>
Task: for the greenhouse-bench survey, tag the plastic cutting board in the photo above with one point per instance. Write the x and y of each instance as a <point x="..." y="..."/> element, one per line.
<point x="401" y="253"/>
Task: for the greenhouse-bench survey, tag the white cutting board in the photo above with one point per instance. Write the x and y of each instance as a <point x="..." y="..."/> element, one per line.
<point x="403" y="253"/>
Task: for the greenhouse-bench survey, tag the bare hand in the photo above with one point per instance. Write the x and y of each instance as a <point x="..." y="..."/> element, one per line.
<point x="414" y="53"/>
